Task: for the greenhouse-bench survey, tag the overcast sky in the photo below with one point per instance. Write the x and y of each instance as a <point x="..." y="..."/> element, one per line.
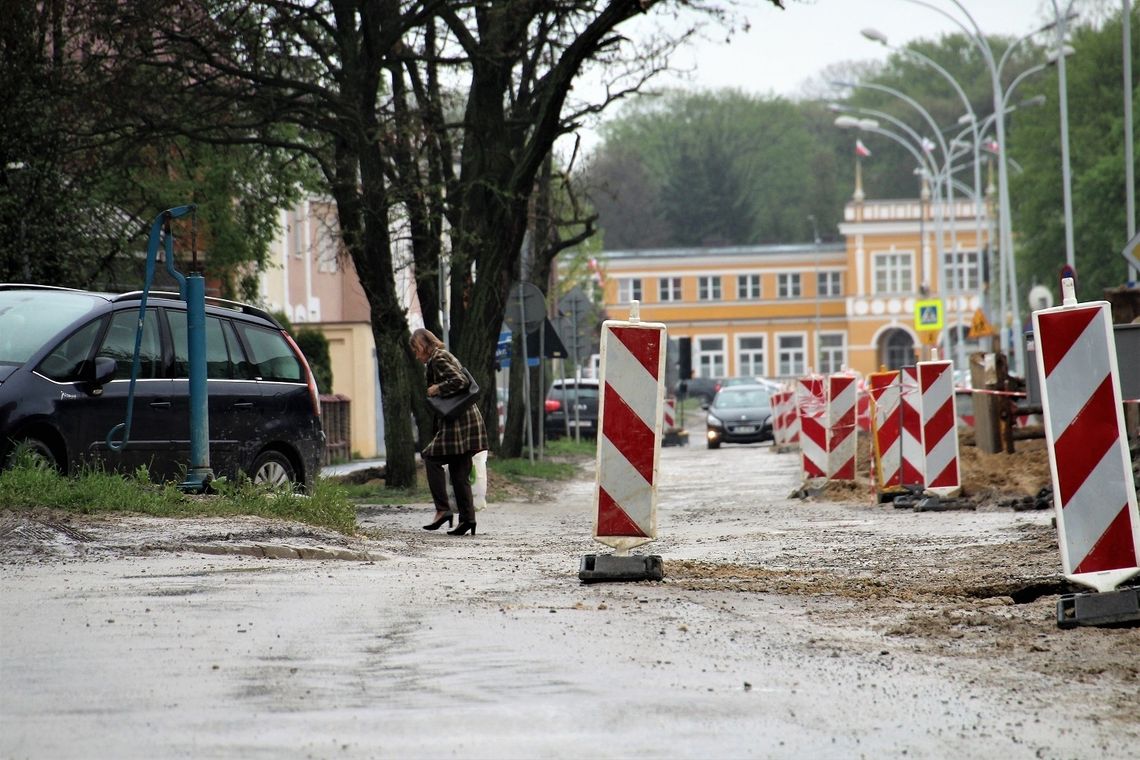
<point x="785" y="48"/>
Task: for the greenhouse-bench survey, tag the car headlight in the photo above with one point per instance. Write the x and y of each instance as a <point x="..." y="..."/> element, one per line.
<point x="710" y="419"/>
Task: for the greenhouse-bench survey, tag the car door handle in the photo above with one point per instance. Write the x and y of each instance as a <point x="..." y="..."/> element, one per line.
<point x="159" y="404"/>
<point x="243" y="405"/>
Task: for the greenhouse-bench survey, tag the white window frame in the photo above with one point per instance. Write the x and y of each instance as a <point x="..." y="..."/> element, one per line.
<point x="829" y="283"/>
<point x="966" y="263"/>
<point x="748" y="287"/>
<point x="836" y="355"/>
<point x="669" y="289"/>
<point x="712" y="361"/>
<point x="789" y="285"/>
<point x="790" y="370"/>
<point x="746" y="358"/>
<point x="898" y="270"/>
<point x="709" y="287"/>
<point x="629" y="289"/>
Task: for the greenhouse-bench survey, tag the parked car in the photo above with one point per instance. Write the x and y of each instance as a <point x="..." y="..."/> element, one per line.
<point x="65" y="366"/>
<point x="571" y="405"/>
<point x="700" y="388"/>
<point x="739" y="414"/>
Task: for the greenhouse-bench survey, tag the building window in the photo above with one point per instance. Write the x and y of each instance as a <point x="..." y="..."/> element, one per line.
<point x="669" y="289"/>
<point x="788" y="285"/>
<point x="708" y="288"/>
<point x="629" y="289"/>
<point x="750" y="356"/>
<point x="894" y="273"/>
<point x="963" y="275"/>
<point x="829" y="284"/>
<point x="791" y="359"/>
<point x="832" y="353"/>
<point x="748" y="287"/>
<point x="710" y="357"/>
<point x="326" y="248"/>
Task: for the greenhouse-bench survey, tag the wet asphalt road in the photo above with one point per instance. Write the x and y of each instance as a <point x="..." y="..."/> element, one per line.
<point x="489" y="646"/>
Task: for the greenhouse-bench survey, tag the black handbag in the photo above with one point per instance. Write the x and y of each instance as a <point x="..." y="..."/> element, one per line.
<point x="450" y="407"/>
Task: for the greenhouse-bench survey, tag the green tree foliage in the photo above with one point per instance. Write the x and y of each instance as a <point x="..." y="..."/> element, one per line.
<point x="85" y="171"/>
<point x="721" y="168"/>
<point x="1096" y="142"/>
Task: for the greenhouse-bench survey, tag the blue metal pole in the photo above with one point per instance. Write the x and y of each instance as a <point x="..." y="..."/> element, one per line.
<point x="199" y="474"/>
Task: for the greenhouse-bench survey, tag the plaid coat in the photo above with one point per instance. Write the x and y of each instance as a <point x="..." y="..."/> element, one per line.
<point x="466" y="434"/>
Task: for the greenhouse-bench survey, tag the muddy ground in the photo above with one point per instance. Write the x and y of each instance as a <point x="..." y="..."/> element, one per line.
<point x="823" y="624"/>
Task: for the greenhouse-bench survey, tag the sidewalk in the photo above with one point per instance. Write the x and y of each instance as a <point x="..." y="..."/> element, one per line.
<point x="334" y="470"/>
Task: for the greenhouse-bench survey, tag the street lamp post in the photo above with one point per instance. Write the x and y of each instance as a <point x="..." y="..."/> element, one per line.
<point x="1005" y="228"/>
<point x="936" y="175"/>
<point x="1062" y="91"/>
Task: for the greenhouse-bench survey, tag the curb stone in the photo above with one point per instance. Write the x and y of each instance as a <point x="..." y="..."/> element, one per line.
<point x="283" y="551"/>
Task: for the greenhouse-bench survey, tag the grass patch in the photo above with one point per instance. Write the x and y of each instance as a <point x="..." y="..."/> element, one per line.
<point x="29" y="485"/>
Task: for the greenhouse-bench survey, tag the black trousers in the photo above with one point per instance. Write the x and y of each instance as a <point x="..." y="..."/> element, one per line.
<point x="459" y="468"/>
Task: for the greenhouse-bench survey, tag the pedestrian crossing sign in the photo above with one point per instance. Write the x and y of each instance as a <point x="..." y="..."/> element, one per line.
<point x="928" y="314"/>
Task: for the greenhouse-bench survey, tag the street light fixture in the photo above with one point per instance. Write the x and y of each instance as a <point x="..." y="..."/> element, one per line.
<point x="995" y="67"/>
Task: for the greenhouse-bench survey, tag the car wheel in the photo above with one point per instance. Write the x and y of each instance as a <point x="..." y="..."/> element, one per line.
<point x="274" y="469"/>
<point x="714" y="444"/>
<point x="40" y="453"/>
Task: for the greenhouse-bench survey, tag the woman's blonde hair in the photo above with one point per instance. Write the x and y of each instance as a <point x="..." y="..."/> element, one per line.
<point x="425" y="337"/>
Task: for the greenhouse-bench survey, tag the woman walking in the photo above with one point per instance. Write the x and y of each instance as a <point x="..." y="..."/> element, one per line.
<point x="455" y="441"/>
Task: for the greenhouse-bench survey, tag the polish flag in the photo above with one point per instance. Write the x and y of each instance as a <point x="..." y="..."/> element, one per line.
<point x="927" y="144"/>
<point x="992" y="146"/>
<point x="861" y="149"/>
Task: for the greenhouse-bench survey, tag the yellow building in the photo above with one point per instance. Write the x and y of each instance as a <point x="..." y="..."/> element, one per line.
<point x="779" y="311"/>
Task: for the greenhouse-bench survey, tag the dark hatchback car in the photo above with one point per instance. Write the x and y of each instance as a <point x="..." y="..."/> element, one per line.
<point x="739" y="414"/>
<point x="571" y="405"/>
<point x="65" y="368"/>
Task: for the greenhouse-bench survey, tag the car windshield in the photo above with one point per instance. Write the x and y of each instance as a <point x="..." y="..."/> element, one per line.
<point x="741" y="398"/>
<point x="29" y="318"/>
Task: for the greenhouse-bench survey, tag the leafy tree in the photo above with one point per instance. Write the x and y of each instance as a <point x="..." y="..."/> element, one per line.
<point x="1096" y="143"/>
<point x="83" y="182"/>
<point x="357" y="86"/>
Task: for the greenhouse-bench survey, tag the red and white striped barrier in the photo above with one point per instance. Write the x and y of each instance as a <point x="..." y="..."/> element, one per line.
<point x="1093" y="491"/>
<point x="791" y="420"/>
<point x="811" y="406"/>
<point x="669" y="416"/>
<point x="939" y="428"/>
<point x="886" y="432"/>
<point x="842" y="396"/>
<point x="629" y="435"/>
<point x="776" y="399"/>
<point x="785" y="427"/>
<point x="910" y="425"/>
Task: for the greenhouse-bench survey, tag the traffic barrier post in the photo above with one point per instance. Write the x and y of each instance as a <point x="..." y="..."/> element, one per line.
<point x="1094" y="494"/>
<point x="841" y="430"/>
<point x="942" y="474"/>
<point x="630" y="413"/>
<point x="811" y="408"/>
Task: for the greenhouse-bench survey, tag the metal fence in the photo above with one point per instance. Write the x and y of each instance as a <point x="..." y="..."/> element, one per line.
<point x="336" y="419"/>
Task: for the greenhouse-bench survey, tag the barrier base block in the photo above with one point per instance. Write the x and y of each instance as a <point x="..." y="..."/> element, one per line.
<point x="608" y="568"/>
<point x="786" y="448"/>
<point x="675" y="438"/>
<point x="1108" y="608"/>
<point x="935" y="503"/>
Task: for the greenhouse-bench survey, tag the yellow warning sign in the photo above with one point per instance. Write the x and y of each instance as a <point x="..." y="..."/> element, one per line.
<point x="980" y="327"/>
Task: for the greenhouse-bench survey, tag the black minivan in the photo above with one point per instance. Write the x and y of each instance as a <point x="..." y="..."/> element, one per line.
<point x="65" y="368"/>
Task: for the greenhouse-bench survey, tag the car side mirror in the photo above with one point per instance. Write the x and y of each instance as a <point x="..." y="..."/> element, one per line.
<point x="105" y="368"/>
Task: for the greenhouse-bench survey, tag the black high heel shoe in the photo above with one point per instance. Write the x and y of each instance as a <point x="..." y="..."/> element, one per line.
<point x="436" y="525"/>
<point x="462" y="528"/>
